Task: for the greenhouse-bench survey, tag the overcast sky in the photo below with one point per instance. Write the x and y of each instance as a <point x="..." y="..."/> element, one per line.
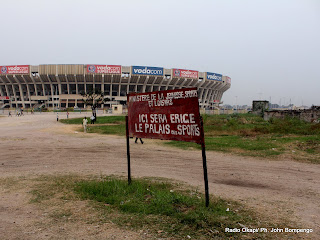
<point x="270" y="49"/>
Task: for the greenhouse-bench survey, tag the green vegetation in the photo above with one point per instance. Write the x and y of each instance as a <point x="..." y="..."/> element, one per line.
<point x="152" y="206"/>
<point x="166" y="207"/>
<point x="244" y="134"/>
<point x="100" y="120"/>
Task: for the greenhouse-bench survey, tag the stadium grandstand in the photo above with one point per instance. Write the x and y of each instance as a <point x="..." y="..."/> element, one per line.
<point x="60" y="86"/>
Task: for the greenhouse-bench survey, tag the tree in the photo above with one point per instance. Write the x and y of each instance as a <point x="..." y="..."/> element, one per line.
<point x="93" y="97"/>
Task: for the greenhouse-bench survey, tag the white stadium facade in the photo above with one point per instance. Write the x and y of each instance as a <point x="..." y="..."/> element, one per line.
<point x="60" y="86"/>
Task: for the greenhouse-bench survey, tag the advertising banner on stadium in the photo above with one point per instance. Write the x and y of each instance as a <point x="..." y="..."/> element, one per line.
<point x="142" y="70"/>
<point x="228" y="79"/>
<point x="169" y="115"/>
<point x="4" y="98"/>
<point x="185" y="73"/>
<point x="214" y="76"/>
<point x="17" y="69"/>
<point x="105" y="69"/>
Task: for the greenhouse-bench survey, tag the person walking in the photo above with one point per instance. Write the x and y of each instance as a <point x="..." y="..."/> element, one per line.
<point x="57" y="117"/>
<point x="92" y="118"/>
<point x="137" y="140"/>
<point x="67" y="115"/>
<point x="85" y="123"/>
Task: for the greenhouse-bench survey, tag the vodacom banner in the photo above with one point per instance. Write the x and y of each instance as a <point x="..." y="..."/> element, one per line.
<point x="107" y="69"/>
<point x="17" y="69"/>
<point x="170" y="115"/>
<point x="185" y="73"/>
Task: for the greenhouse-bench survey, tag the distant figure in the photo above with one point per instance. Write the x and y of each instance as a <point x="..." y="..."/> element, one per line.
<point x="67" y="115"/>
<point x="9" y="114"/>
<point x="92" y="118"/>
<point x="85" y="123"/>
<point x="57" y="117"/>
<point x="137" y="140"/>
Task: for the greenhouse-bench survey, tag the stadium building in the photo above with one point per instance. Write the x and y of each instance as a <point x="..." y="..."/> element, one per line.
<point x="60" y="86"/>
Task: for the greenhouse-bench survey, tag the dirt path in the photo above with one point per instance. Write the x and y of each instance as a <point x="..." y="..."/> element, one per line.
<point x="36" y="144"/>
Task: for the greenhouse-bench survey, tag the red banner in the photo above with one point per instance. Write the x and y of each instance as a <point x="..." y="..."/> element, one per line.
<point x="107" y="69"/>
<point x="17" y="69"/>
<point x="4" y="98"/>
<point x="168" y="115"/>
<point x="185" y="73"/>
<point x="228" y="79"/>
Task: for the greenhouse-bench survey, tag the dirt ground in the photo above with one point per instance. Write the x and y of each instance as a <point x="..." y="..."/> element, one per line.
<point x="35" y="145"/>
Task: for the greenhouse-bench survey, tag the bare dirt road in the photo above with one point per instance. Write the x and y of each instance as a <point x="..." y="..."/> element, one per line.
<point x="35" y="145"/>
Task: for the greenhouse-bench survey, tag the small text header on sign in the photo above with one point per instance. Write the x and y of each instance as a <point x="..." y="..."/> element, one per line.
<point x="167" y="115"/>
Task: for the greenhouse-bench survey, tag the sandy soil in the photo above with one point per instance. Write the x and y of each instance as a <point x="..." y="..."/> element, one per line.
<point x="33" y="145"/>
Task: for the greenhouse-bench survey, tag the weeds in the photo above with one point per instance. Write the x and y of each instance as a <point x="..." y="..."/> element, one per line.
<point x="176" y="212"/>
<point x="245" y="134"/>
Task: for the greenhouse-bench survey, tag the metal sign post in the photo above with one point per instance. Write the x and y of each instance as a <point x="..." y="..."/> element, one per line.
<point x="128" y="151"/>
<point x="204" y="162"/>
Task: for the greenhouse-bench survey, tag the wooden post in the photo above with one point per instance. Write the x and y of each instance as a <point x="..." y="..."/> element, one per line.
<point x="204" y="162"/>
<point x="128" y="151"/>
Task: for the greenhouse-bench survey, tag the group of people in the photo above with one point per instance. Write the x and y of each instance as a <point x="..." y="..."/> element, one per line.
<point x="19" y="113"/>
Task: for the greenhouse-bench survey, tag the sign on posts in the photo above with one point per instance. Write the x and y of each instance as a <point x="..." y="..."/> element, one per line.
<point x="166" y="115"/>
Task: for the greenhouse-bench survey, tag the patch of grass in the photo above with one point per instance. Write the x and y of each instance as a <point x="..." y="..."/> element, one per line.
<point x="108" y="129"/>
<point x="152" y="206"/>
<point x="244" y="134"/>
<point x="257" y="146"/>
<point x="48" y="187"/>
<point x="161" y="206"/>
<point x="100" y="120"/>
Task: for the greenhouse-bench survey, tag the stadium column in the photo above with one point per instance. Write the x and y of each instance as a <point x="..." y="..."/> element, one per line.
<point x="201" y="90"/>
<point x="182" y="83"/>
<point x="214" y="95"/>
<point x="34" y="84"/>
<point x="77" y="90"/>
<point x="68" y="87"/>
<point x="59" y="84"/>
<point x="205" y="96"/>
<point x="210" y="100"/>
<point x="58" y="80"/>
<point x="161" y="82"/>
<point x="168" y="81"/>
<point x="207" y="91"/>
<point x="76" y="81"/>
<point x="20" y="90"/>
<point x="102" y="83"/>
<point x="52" y="93"/>
<point x="136" y="86"/>
<point x="28" y="89"/>
<point x="42" y="83"/>
<point x="8" y="94"/>
<point x="85" y="83"/>
<point x="187" y="86"/>
<point x="1" y="92"/>
<point x="102" y="90"/>
<point x="175" y="83"/>
<point x="145" y="84"/>
<point x="93" y="81"/>
<point x="111" y="83"/>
